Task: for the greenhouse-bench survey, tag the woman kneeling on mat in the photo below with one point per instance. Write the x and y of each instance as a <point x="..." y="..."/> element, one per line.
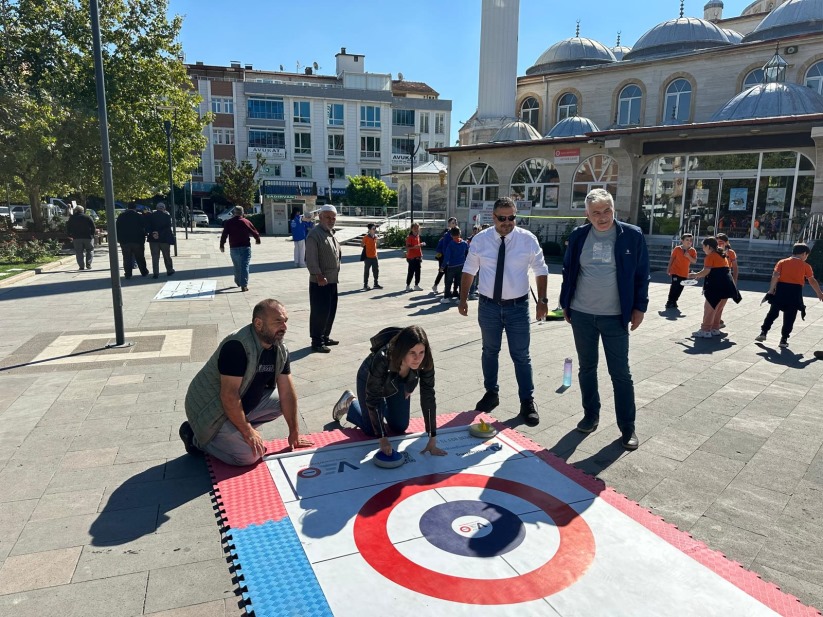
<point x="399" y="358"/>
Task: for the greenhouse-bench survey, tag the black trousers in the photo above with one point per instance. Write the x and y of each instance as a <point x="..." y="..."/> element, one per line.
<point x="160" y="247"/>
<point x="789" y="316"/>
<point x="453" y="276"/>
<point x="323" y="310"/>
<point x="414" y="271"/>
<point x="370" y="263"/>
<point x="134" y="252"/>
<point x="440" y="273"/>
<point x="675" y="290"/>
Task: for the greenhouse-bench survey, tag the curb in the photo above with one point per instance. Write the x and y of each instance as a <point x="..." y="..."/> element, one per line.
<point x="52" y="265"/>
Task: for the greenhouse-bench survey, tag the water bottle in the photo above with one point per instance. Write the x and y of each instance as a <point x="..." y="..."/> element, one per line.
<point x="567" y="373"/>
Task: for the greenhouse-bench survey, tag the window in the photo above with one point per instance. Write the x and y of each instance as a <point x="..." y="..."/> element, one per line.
<point x="566" y="106"/>
<point x="402" y="117"/>
<point x="596" y="172"/>
<point x="336" y="143"/>
<point x="302" y="112"/>
<point x="439" y="144"/>
<point x="270" y="170"/>
<point x="370" y="117"/>
<point x="369" y="147"/>
<point x="302" y="143"/>
<point x="402" y="149"/>
<point x="266" y="109"/>
<point x="754" y="78"/>
<point x="222" y="105"/>
<point x="337" y="173"/>
<point x="370" y="173"/>
<point x="439" y="122"/>
<point x="223" y="136"/>
<point x="628" y="106"/>
<point x="335" y="114"/>
<point x="814" y="78"/>
<point x="478" y="182"/>
<point x="198" y="171"/>
<point x="422" y="155"/>
<point x="218" y="169"/>
<point x="537" y="181"/>
<point x="302" y="171"/>
<point x="678" y="102"/>
<point x="530" y="111"/>
<point x="262" y="138"/>
<point x="424" y="123"/>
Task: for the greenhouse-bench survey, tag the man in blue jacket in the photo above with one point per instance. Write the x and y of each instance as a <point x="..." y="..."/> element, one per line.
<point x="605" y="290"/>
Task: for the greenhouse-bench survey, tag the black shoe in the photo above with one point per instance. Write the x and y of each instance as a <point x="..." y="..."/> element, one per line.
<point x="127" y="277"/>
<point x="146" y="273"/>
<point x="170" y="272"/>
<point x="629" y="440"/>
<point x="376" y="286"/>
<point x="588" y="424"/>
<point x="330" y="342"/>
<point x="784" y="342"/>
<point x="818" y="355"/>
<point x="489" y="401"/>
<point x="187" y="435"/>
<point x="154" y="276"/>
<point x="528" y="411"/>
<point x="320" y="349"/>
<point x="669" y="305"/>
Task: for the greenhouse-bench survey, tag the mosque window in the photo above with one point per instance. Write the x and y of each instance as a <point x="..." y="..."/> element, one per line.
<point x="566" y="106"/>
<point x="530" y="111"/>
<point x="537" y="181"/>
<point x="814" y="77"/>
<point x="478" y="182"/>
<point x="678" y="101"/>
<point x="628" y="105"/>
<point x="753" y="78"/>
<point x="596" y="172"/>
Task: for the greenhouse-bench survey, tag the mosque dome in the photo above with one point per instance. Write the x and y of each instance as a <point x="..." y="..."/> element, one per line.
<point x="619" y="51"/>
<point x="678" y="36"/>
<point x="789" y="19"/>
<point x="733" y="35"/>
<point x="714" y="4"/>
<point x="516" y="131"/>
<point x="573" y="126"/>
<point x="771" y="100"/>
<point x="570" y="54"/>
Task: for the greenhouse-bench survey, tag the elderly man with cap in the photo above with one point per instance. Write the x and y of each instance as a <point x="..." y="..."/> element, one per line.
<point x="239" y="232"/>
<point x="323" y="262"/>
<point x="161" y="237"/>
<point x="80" y="228"/>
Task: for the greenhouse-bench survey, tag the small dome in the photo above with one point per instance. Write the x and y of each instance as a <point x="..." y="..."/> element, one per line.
<point x="516" y="131"/>
<point x="771" y="100"/>
<point x="789" y="19"/>
<point x="713" y="4"/>
<point x="571" y="54"/>
<point x="733" y="35"/>
<point x="678" y="36"/>
<point x="619" y="51"/>
<point x="574" y="126"/>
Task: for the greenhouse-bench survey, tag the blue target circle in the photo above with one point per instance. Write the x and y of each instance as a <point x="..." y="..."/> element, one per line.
<point x="472" y="528"/>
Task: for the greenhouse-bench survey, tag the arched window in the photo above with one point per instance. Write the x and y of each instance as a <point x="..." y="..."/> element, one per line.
<point x="566" y="106"/>
<point x="530" y="111"/>
<point x="478" y="182"/>
<point x="628" y="105"/>
<point x="753" y="78"/>
<point x="596" y="172"/>
<point x="814" y="77"/>
<point x="536" y="180"/>
<point x="678" y="102"/>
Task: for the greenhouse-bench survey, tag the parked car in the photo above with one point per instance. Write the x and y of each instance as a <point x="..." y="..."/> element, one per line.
<point x="4" y="212"/>
<point x="225" y="215"/>
<point x="198" y="217"/>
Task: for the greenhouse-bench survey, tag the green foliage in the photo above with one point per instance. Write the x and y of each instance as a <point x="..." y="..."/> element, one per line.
<point x="259" y="222"/>
<point x="29" y="252"/>
<point x="239" y="181"/>
<point x="815" y="259"/>
<point x="368" y="192"/>
<point x="395" y="237"/>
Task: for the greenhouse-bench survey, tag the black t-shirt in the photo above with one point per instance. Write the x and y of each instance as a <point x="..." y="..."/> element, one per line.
<point x="232" y="362"/>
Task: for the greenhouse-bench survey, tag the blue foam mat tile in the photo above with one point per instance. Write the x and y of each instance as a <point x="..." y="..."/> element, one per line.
<point x="277" y="575"/>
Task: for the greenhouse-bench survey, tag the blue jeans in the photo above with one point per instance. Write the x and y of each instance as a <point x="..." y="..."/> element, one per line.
<point x="241" y="257"/>
<point x="588" y="330"/>
<point x="395" y="409"/>
<point x="514" y="319"/>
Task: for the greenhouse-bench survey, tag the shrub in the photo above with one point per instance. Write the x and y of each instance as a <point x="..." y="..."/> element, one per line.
<point x="259" y="221"/>
<point x="395" y="237"/>
<point x="31" y="252"/>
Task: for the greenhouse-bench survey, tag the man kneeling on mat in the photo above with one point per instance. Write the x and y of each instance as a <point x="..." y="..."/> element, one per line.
<point x="245" y="383"/>
<point x="399" y="359"/>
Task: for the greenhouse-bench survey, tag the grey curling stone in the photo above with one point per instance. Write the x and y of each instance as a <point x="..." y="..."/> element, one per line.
<point x="476" y="430"/>
<point x="395" y="459"/>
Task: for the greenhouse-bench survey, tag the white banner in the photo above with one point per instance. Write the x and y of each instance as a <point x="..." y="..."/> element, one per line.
<point x="268" y="153"/>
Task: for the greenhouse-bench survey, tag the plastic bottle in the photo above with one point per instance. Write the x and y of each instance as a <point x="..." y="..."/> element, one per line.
<point x="567" y="372"/>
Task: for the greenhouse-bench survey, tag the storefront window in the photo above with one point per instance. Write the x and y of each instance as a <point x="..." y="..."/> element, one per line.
<point x="596" y="172"/>
<point x="537" y="181"/>
<point x="478" y="182"/>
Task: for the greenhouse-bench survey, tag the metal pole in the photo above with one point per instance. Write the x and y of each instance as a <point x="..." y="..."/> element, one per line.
<point x="167" y="127"/>
<point x="108" y="181"/>
<point x="186" y="213"/>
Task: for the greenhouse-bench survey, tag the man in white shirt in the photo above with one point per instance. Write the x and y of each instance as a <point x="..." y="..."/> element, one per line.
<point x="504" y="301"/>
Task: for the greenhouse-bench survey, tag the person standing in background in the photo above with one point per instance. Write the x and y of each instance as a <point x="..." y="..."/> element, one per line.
<point x="161" y="238"/>
<point x="239" y="230"/>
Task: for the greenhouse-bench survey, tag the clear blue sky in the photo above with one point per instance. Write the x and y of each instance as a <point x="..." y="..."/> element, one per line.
<point x="433" y="41"/>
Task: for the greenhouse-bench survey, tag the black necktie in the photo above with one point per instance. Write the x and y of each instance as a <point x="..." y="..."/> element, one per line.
<point x="498" y="274"/>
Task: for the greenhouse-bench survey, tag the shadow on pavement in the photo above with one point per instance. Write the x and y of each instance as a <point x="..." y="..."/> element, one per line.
<point x="706" y="347"/>
<point x="783" y="356"/>
<point x="595" y="463"/>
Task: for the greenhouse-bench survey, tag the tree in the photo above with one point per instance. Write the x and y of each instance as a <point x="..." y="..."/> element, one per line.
<point x="368" y="192"/>
<point x="49" y="130"/>
<point x="240" y="182"/>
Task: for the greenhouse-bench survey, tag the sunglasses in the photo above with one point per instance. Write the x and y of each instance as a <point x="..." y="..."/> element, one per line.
<point x="503" y="219"/>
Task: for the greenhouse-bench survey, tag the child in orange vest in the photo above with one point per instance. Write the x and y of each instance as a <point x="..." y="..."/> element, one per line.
<point x="370" y="257"/>
<point x="682" y="257"/>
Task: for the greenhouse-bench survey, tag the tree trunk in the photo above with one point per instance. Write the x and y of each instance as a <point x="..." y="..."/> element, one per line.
<point x="36" y="212"/>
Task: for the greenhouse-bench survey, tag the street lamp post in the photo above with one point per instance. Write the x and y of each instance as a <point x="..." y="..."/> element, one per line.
<point x="414" y="149"/>
<point x="167" y="128"/>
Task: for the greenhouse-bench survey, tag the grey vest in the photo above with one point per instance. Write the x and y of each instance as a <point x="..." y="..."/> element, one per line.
<point x="203" y="407"/>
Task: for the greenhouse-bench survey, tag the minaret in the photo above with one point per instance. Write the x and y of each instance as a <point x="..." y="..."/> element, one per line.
<point x="497" y="89"/>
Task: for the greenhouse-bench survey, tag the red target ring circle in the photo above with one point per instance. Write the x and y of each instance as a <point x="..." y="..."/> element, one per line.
<point x="574" y="555"/>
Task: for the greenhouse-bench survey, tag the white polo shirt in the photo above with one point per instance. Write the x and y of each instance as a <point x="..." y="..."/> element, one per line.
<point x="523" y="251"/>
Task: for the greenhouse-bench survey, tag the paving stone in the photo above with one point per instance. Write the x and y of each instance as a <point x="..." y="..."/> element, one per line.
<point x="749" y="507"/>
<point x="807" y="503"/>
<point x="188" y="584"/>
<point x="60" y="505"/>
<point x="776" y="473"/>
<point x="167" y="491"/>
<point x="216" y="608"/>
<point x="675" y="444"/>
<point x="84" y="459"/>
<point x="701" y="421"/>
<point x="736" y="543"/>
<point x="707" y="469"/>
<point x="638" y="473"/>
<point x="733" y="444"/>
<point x="678" y="503"/>
<point x="754" y="422"/>
<point x="101" y="477"/>
<point x="794" y="547"/>
<point x="37" y="570"/>
<point x="806" y="592"/>
<point x="117" y="438"/>
<point x="23" y="480"/>
<point x="801" y="446"/>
